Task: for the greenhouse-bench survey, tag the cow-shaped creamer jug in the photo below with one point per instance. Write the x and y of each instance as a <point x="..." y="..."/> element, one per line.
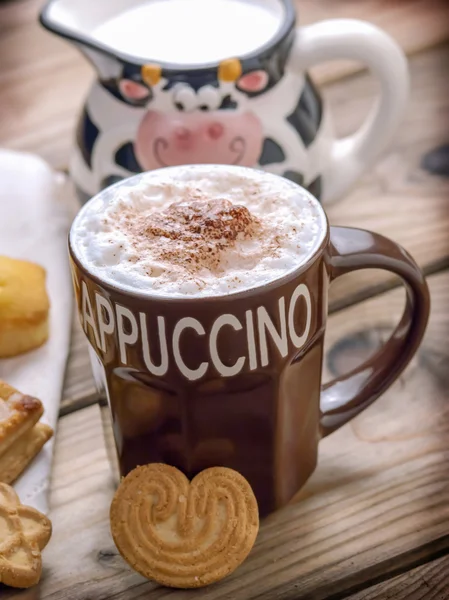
<point x="221" y="82"/>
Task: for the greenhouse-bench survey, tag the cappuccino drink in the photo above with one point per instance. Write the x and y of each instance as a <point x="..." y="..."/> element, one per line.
<point x="203" y="293"/>
<point x="198" y="231"/>
<point x="194" y="310"/>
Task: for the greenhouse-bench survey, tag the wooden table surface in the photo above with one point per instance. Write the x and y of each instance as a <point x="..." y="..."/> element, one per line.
<point x="373" y="520"/>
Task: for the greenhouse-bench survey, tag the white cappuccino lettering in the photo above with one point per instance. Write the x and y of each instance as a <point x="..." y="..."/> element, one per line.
<point x="104" y="327"/>
<point x="223" y="369"/>
<point x="187" y="322"/>
<point x="229" y="344"/>
<point x="251" y="340"/>
<point x="266" y="324"/>
<point x="299" y="340"/>
<point x="163" y="367"/>
<point x="87" y="314"/>
<point x="124" y="338"/>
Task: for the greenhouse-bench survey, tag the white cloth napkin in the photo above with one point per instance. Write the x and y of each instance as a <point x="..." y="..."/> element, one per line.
<point x="34" y="221"/>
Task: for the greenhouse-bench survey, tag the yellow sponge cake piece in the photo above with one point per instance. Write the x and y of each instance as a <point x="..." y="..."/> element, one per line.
<point x="24" y="306"/>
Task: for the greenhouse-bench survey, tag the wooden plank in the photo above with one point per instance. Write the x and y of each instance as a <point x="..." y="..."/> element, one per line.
<point x="44" y="80"/>
<point x="79" y="386"/>
<point x="377" y="504"/>
<point x="430" y="580"/>
<point x="42" y="84"/>
<point x="408" y="421"/>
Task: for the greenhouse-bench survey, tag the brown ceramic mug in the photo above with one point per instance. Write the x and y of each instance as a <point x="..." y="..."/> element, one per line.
<point x="235" y="380"/>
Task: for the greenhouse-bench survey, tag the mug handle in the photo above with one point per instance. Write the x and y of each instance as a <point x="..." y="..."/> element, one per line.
<point x="357" y="40"/>
<point x="350" y="250"/>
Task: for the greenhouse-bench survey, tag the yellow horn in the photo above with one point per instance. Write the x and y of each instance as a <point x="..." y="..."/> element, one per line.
<point x="151" y="74"/>
<point x="229" y="69"/>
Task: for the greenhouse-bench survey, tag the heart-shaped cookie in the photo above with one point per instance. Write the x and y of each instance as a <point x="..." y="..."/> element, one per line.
<point x="184" y="534"/>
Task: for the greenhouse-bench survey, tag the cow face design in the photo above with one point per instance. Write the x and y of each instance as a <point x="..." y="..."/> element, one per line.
<point x="255" y="113"/>
<point x="196" y="122"/>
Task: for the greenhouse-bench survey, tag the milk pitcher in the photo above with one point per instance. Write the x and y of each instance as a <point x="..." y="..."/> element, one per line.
<point x="222" y="82"/>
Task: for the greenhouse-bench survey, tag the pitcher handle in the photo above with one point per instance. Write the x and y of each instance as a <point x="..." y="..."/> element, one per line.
<point x="350" y="250"/>
<point x="357" y="40"/>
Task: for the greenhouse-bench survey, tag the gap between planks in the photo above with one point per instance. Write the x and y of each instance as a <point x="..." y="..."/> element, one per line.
<point x="428" y="580"/>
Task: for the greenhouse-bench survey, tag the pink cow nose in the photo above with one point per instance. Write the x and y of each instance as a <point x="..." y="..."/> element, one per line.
<point x="183" y="136"/>
<point x="215" y="131"/>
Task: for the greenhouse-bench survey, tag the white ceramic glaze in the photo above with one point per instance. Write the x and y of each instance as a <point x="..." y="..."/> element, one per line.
<point x="355" y="40"/>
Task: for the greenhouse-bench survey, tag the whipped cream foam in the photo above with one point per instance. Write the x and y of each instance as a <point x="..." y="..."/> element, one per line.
<point x="198" y="230"/>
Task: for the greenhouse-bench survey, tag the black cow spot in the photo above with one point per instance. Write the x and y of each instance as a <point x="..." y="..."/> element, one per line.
<point x="437" y="161"/>
<point x="294" y="176"/>
<point x="86" y="135"/>
<point x="112" y="87"/>
<point x="306" y="117"/>
<point x="228" y="103"/>
<point x="126" y="158"/>
<point x="110" y="180"/>
<point x="271" y="153"/>
<point x="315" y="187"/>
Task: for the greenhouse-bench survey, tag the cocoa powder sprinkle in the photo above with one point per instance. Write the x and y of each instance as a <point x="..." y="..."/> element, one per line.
<point x="193" y="232"/>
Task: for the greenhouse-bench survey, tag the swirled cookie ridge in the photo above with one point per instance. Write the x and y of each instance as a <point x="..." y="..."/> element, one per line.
<point x="180" y="533"/>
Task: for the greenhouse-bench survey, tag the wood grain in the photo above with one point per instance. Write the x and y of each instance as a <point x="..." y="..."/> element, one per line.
<point x="377" y="504"/>
<point x="43" y="79"/>
<point x="415" y="24"/>
<point x="42" y="84"/>
<point x="79" y="386"/>
<point x="426" y="582"/>
<point x="409" y="420"/>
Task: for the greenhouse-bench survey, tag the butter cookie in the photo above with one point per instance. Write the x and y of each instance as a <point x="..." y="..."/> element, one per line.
<point x="24" y="306"/>
<point x="24" y="532"/>
<point x="184" y="534"/>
